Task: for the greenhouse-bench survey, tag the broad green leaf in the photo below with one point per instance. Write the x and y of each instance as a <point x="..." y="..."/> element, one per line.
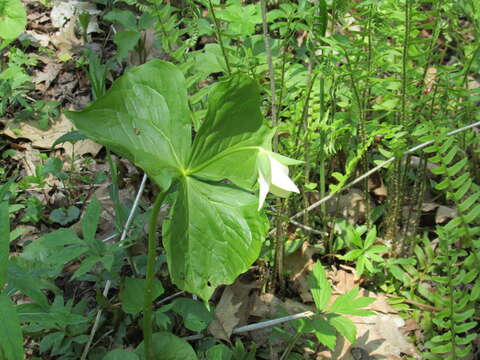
<point x="167" y="346"/>
<point x="195" y="315"/>
<point x="64" y="216"/>
<point x="120" y="354"/>
<point x="319" y="286"/>
<point x="132" y="294"/>
<point x="123" y="17"/>
<point x="144" y="117"/>
<point x="214" y="234"/>
<point x="4" y="242"/>
<point x="126" y="40"/>
<point x="219" y="352"/>
<point x="229" y="140"/>
<point x="325" y="333"/>
<point x="13" y="19"/>
<point x="11" y="344"/>
<point x="344" y="326"/>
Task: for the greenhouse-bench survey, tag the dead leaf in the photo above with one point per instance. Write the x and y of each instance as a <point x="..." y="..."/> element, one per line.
<point x="28" y="158"/>
<point x="298" y="265"/>
<point x="35" y="38"/>
<point x="378" y="336"/>
<point x="351" y="205"/>
<point x="49" y="74"/>
<point x="65" y="39"/>
<point x="233" y="309"/>
<point x="45" y="139"/>
<point x="344" y="279"/>
<point x="444" y="213"/>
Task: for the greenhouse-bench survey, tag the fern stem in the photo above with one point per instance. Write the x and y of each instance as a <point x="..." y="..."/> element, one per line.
<point x="374" y="170"/>
<point x="150" y="277"/>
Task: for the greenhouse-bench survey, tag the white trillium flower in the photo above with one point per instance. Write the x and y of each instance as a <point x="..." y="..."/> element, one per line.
<point x="273" y="176"/>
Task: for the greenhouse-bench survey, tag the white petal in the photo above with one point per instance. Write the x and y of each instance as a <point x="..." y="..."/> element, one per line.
<point x="264" y="187"/>
<point x="280" y="177"/>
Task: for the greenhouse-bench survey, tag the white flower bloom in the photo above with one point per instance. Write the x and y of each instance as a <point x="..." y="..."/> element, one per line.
<point x="273" y="177"/>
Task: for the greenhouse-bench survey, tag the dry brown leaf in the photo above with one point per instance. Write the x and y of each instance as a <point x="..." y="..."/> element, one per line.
<point x="444" y="213"/>
<point x="28" y="158"/>
<point x="344" y="279"/>
<point x="378" y="336"/>
<point x="299" y="264"/>
<point x="380" y="304"/>
<point x="233" y="309"/>
<point x="49" y="74"/>
<point x="65" y="39"/>
<point x="45" y="139"/>
<point x="351" y="206"/>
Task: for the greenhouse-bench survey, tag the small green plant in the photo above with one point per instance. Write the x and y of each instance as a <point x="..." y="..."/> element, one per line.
<point x="365" y="251"/>
<point x="330" y="318"/>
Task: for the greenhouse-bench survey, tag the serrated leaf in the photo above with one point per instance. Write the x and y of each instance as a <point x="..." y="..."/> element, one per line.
<point x="27" y="284"/>
<point x="344" y="326"/>
<point x="360" y="265"/>
<point x="371" y="237"/>
<point x="319" y="286"/>
<point x="11" y="345"/>
<point x="325" y="333"/>
<point x="349" y="304"/>
<point x="352" y="255"/>
<point x="214" y="234"/>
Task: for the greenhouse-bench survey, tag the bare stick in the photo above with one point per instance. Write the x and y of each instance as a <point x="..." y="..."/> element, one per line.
<point x="109" y="283"/>
<point x="374" y="170"/>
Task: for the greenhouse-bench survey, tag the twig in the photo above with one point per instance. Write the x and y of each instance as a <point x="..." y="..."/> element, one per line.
<point x="269" y="323"/>
<point x="374" y="170"/>
<point x="164" y="300"/>
<point x="109" y="283"/>
<point x="260" y="325"/>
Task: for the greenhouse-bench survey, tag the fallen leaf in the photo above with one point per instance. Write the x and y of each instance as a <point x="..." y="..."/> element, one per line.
<point x="378" y="336"/>
<point x="351" y="205"/>
<point x="233" y="309"/>
<point x="298" y="265"/>
<point x="344" y="279"/>
<point x="35" y="38"/>
<point x="444" y="213"/>
<point x="49" y="74"/>
<point x="65" y="40"/>
<point x="45" y="139"/>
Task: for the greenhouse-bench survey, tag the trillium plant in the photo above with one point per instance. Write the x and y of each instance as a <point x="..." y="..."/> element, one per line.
<point x="215" y="228"/>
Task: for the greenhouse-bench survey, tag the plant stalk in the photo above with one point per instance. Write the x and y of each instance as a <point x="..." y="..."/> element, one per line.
<point x="151" y="257"/>
<point x="219" y="37"/>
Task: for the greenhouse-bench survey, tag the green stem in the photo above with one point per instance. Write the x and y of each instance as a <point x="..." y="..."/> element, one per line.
<point x="151" y="257"/>
<point x="219" y="37"/>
